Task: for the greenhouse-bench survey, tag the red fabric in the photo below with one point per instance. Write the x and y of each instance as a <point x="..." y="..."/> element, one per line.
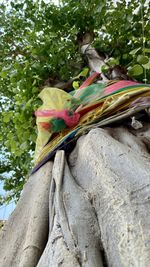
<point x="87" y="109"/>
<point x="89" y="80"/>
<point x="116" y="86"/>
<point x="45" y="125"/>
<point x="70" y="120"/>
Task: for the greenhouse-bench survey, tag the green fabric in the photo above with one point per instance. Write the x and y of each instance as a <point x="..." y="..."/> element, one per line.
<point x="72" y="104"/>
<point x="91" y="92"/>
<point x="57" y="125"/>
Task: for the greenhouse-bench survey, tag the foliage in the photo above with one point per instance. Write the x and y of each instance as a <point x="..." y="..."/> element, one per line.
<point x="38" y="42"/>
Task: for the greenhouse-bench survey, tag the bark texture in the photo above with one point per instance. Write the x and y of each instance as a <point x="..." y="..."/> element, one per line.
<point x="24" y="236"/>
<point x="99" y="201"/>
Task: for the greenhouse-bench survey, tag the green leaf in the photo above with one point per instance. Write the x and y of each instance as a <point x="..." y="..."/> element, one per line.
<point x="7" y="116"/>
<point x="34" y="90"/>
<point x="142" y="59"/>
<point x="134" y="51"/>
<point x="7" y="143"/>
<point x="13" y="145"/>
<point x="3" y="74"/>
<point x="24" y="146"/>
<point x="83" y="73"/>
<point x="105" y="68"/>
<point x="75" y="85"/>
<point x="146" y="66"/>
<point x="125" y="56"/>
<point x="6" y="119"/>
<point x="34" y="82"/>
<point x="147" y="50"/>
<point x="136" y="70"/>
<point x="112" y="61"/>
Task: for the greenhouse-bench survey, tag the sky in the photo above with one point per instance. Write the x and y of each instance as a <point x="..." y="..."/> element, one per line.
<point x="5" y="210"/>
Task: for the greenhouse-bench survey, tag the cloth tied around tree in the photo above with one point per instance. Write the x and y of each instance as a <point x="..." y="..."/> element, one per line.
<point x="64" y="116"/>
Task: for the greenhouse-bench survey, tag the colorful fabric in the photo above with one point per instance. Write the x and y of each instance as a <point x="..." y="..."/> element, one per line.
<point x="53" y="99"/>
<point x="89" y="80"/>
<point x="70" y="119"/>
<point x="63" y="117"/>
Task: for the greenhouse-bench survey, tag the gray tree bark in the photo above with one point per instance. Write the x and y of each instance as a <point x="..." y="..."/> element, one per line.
<point x="91" y="209"/>
<point x="99" y="204"/>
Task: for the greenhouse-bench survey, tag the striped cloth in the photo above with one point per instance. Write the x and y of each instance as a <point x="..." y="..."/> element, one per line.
<point x="97" y="105"/>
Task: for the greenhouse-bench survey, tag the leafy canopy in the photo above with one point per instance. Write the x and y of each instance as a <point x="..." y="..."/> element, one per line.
<point x="38" y="42"/>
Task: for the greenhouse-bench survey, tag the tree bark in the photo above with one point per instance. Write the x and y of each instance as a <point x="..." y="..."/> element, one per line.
<point x="99" y="203"/>
<point x="91" y="209"/>
<point x="24" y="235"/>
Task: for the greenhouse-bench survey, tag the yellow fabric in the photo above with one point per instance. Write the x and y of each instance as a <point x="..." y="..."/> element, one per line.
<point x="53" y="98"/>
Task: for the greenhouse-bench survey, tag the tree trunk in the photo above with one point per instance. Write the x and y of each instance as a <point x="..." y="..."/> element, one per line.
<point x="91" y="209"/>
<point x="99" y="206"/>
